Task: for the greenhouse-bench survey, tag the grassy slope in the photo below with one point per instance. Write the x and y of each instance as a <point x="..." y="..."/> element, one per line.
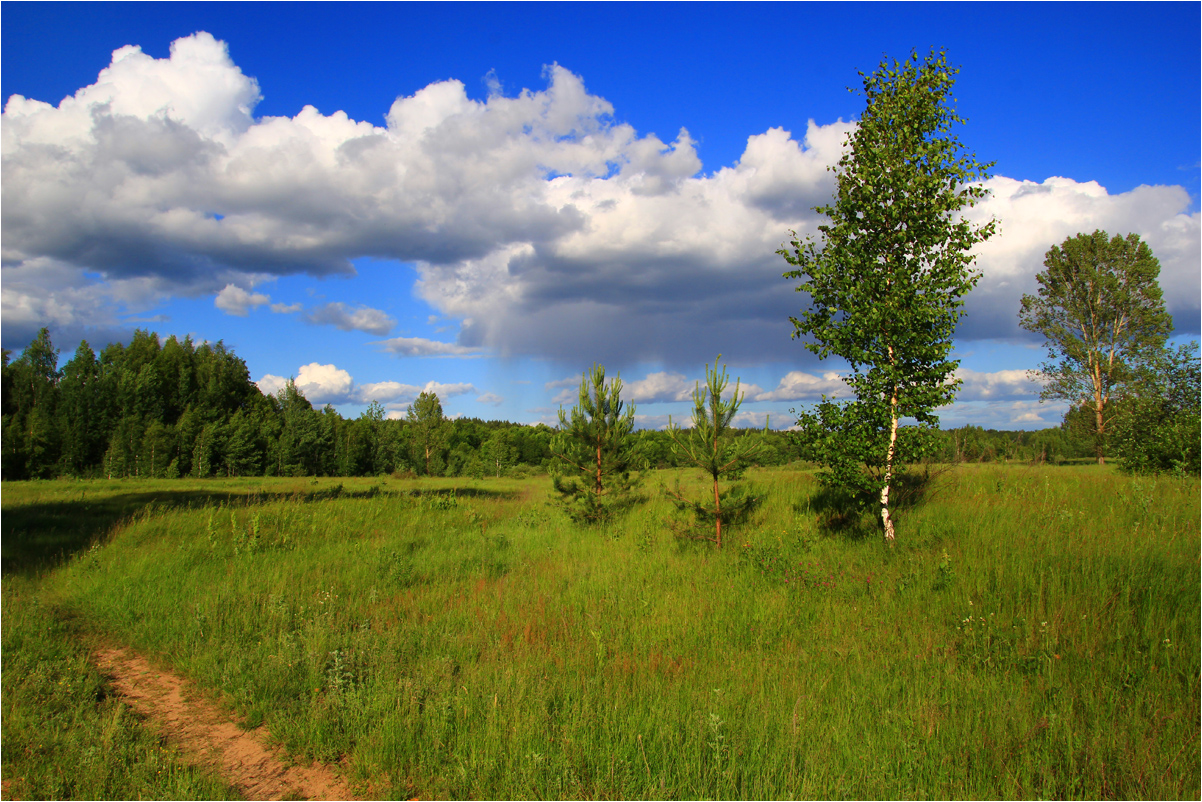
<point x="1035" y="633"/>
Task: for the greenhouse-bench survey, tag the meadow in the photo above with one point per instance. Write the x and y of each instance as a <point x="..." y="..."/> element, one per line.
<point x="1033" y="634"/>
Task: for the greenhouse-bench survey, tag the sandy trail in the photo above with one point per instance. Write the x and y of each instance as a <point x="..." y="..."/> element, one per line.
<point x="207" y="735"/>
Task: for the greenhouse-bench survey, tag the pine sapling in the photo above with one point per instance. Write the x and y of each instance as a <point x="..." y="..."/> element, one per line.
<point x="596" y="456"/>
<point x="712" y="446"/>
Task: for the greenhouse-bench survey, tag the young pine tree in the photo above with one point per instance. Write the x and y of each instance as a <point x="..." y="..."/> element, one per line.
<point x="712" y="446"/>
<point x="595" y="455"/>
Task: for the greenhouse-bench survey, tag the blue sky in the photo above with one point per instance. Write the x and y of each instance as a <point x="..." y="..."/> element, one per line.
<point x="483" y="199"/>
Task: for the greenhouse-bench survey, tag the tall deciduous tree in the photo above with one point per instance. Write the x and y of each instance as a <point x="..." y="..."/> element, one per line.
<point x="498" y="451"/>
<point x="887" y="284"/>
<point x="594" y="455"/>
<point x="425" y="416"/>
<point x="711" y="446"/>
<point x="1101" y="312"/>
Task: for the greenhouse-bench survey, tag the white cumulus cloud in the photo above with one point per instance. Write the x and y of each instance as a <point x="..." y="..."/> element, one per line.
<point x="233" y="300"/>
<point x="383" y="392"/>
<point x="418" y="346"/>
<point x="398" y="393"/>
<point x="661" y="386"/>
<point x="271" y="384"/>
<point x="1036" y="216"/>
<point x="329" y="384"/>
<point x="324" y="384"/>
<point x="492" y="399"/>
<point x="539" y="223"/>
<point x="319" y="384"/>
<point x="342" y="316"/>
<point x="800" y="386"/>
<point x="570" y="381"/>
<point x="979" y="386"/>
<point x="1004" y="414"/>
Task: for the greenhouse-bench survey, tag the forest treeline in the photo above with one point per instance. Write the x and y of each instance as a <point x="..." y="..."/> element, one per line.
<point x="174" y="408"/>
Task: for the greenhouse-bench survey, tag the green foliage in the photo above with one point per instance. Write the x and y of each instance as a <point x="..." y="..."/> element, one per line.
<point x="379" y="451"/>
<point x="429" y="432"/>
<point x="1052" y="446"/>
<point x="1101" y="312"/>
<point x="146" y="410"/>
<point x="1159" y="428"/>
<point x="850" y="442"/>
<point x="596" y="456"/>
<point x="80" y="397"/>
<point x="887" y="286"/>
<point x="712" y="446"/>
<point x="303" y="439"/>
<point x="134" y="411"/>
<point x="31" y="438"/>
<point x="498" y="452"/>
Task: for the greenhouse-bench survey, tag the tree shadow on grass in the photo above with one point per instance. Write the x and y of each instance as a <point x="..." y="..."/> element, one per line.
<point x="841" y="512"/>
<point x="459" y="492"/>
<point x="35" y="538"/>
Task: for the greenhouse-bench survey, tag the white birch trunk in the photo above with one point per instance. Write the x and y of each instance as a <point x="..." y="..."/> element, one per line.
<point x="886" y="520"/>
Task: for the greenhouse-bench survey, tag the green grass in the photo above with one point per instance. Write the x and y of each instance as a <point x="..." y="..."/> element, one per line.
<point x="1035" y="633"/>
<point x="65" y="736"/>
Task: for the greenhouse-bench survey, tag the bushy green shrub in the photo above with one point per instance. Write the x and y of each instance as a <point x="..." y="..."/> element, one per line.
<point x="1160" y="429"/>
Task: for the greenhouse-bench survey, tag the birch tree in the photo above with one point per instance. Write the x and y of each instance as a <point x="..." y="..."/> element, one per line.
<point x="1101" y="312"/>
<point x="887" y="279"/>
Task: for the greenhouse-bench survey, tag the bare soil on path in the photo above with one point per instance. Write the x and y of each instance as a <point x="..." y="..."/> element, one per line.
<point x="207" y="735"/>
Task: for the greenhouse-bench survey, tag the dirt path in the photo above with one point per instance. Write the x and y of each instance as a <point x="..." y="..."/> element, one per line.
<point x="208" y="736"/>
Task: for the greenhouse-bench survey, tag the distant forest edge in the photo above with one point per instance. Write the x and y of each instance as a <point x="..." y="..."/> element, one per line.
<point x="174" y="409"/>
